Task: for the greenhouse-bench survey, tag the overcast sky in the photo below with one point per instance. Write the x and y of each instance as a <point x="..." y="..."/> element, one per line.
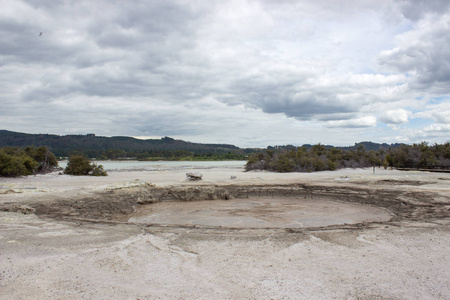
<point x="249" y="73"/>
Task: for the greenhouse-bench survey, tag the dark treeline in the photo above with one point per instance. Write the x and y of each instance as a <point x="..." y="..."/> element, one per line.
<point x="320" y="157"/>
<point x="173" y="155"/>
<point x="123" y="147"/>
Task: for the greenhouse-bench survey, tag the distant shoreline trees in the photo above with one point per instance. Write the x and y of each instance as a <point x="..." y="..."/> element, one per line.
<point x="321" y="158"/>
<point x="16" y="161"/>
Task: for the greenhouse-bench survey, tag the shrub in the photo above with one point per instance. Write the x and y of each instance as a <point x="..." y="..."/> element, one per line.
<point x="45" y="158"/>
<point x="332" y="165"/>
<point x="98" y="170"/>
<point x="15" y="162"/>
<point x="11" y="166"/>
<point x="385" y="163"/>
<point x="319" y="164"/>
<point x="80" y="165"/>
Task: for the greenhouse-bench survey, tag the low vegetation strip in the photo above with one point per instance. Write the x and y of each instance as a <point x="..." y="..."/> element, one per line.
<point x="320" y="158"/>
<point x="440" y="169"/>
<point x="17" y="161"/>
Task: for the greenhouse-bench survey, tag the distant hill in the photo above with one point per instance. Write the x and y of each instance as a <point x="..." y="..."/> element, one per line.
<point x="94" y="146"/>
<point x="368" y="146"/>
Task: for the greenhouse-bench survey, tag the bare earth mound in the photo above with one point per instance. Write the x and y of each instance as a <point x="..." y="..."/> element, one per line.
<point x="349" y="234"/>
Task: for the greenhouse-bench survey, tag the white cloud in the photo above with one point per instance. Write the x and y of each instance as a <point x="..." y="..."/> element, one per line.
<point x="439" y="112"/>
<point x="438" y="128"/>
<point x="398" y="116"/>
<point x="368" y="121"/>
<point x="434" y="133"/>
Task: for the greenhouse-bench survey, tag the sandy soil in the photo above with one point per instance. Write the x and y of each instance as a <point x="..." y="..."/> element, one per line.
<point x="68" y="237"/>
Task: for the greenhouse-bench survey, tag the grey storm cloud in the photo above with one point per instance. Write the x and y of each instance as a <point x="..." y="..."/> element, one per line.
<point x="306" y="105"/>
<point x="191" y="69"/>
<point x="416" y="9"/>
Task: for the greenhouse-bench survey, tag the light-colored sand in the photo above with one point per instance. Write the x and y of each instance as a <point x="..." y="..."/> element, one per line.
<point x="49" y="259"/>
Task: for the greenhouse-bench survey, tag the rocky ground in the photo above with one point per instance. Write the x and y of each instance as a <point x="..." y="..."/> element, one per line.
<point x="69" y="237"/>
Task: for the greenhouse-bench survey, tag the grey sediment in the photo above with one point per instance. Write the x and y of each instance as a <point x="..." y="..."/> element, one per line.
<point x="117" y="205"/>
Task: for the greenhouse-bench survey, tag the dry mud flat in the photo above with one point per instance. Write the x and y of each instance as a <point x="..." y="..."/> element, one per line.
<point x="331" y="235"/>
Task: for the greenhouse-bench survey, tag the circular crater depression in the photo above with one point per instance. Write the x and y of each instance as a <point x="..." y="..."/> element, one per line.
<point x="260" y="213"/>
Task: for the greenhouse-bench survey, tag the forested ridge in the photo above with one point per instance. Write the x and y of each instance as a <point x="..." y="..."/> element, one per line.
<point x="122" y="147"/>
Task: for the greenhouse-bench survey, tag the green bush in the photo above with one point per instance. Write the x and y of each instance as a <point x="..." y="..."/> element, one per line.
<point x="385" y="163"/>
<point x="16" y="161"/>
<point x="30" y="164"/>
<point x="45" y="158"/>
<point x="98" y="170"/>
<point x="332" y="165"/>
<point x="11" y="166"/>
<point x="80" y="165"/>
